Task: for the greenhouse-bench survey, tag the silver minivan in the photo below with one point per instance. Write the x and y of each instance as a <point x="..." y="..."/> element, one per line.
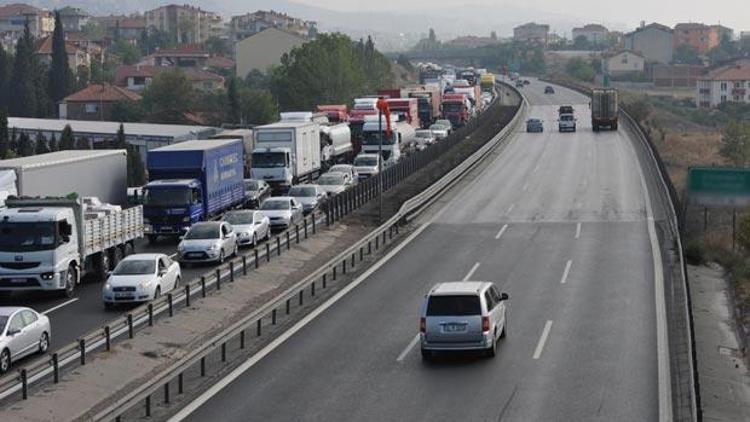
<point x="462" y="316"/>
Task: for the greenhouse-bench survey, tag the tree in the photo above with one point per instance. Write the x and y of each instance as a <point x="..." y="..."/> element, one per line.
<point x="168" y="98"/>
<point x="120" y="142"/>
<point x="257" y="106"/>
<point x="580" y="69"/>
<point x="128" y="53"/>
<point x="136" y="171"/>
<point x="4" y="136"/>
<point x="21" y="84"/>
<point x="60" y="77"/>
<point x="41" y="144"/>
<point x="25" y="145"/>
<point x="432" y="37"/>
<point x="5" y="72"/>
<point x="256" y="79"/>
<point x="128" y="111"/>
<point x="493" y="36"/>
<point x="743" y="233"/>
<point x="218" y="46"/>
<point x="581" y="43"/>
<point x="686" y="54"/>
<point x="233" y="102"/>
<point x="404" y="61"/>
<point x="735" y="143"/>
<point x="67" y="139"/>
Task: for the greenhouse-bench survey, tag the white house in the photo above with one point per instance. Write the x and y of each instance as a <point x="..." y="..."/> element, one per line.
<point x="623" y="62"/>
<point x="730" y="83"/>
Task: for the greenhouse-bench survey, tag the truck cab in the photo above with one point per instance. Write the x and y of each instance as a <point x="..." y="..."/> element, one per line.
<point x="37" y="246"/>
<point x="171" y="206"/>
<point x="402" y="133"/>
<point x="456" y="109"/>
<point x="274" y="165"/>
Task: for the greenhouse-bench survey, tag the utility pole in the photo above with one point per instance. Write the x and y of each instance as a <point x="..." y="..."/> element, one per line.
<point x="380" y="167"/>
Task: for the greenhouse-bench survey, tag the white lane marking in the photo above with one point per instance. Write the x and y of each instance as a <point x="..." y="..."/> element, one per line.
<point x="510" y="208"/>
<point x="471" y="272"/>
<point x="410" y="346"/>
<point x="500" y="233"/>
<point x="536" y="169"/>
<point x="542" y="340"/>
<point x="54" y="308"/>
<point x="253" y="360"/>
<point x="525" y="187"/>
<point x="566" y="272"/>
<point x="578" y="230"/>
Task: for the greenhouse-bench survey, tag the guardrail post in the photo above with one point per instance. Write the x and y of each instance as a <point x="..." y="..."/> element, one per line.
<point x="170" y="302"/>
<point x="377" y="242"/>
<point x="187" y="295"/>
<point x="306" y="225"/>
<point x="273" y="317"/>
<point x="218" y="279"/>
<point x="82" y="349"/>
<point x="296" y="233"/>
<point x="278" y="243"/>
<point x="130" y="325"/>
<point x="301" y="297"/>
<point x="313" y="224"/>
<point x="390" y="233"/>
<point x="324" y="280"/>
<point x="106" y="338"/>
<point x="361" y="253"/>
<point x="354" y="256"/>
<point x="242" y="339"/>
<point x="148" y="406"/>
<point x="384" y="239"/>
<point x="288" y="305"/>
<point x="268" y="249"/>
<point x="150" y="308"/>
<point x="343" y="267"/>
<point x="369" y="247"/>
<point x="257" y="263"/>
<point x="166" y="393"/>
<point x="24" y="385"/>
<point x="288" y="243"/>
<point x="244" y="264"/>
<point x="231" y="271"/>
<point x="55" y="368"/>
<point x="180" y="383"/>
<point x="203" y="286"/>
<point x="258" y="328"/>
<point x="224" y="351"/>
<point x="328" y="213"/>
<point x="334" y="273"/>
<point x="312" y="289"/>
<point x="203" y="366"/>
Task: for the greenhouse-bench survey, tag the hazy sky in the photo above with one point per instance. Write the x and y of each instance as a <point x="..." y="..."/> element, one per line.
<point x="733" y="13"/>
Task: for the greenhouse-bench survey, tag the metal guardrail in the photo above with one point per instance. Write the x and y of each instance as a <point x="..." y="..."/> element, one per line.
<point x="319" y="278"/>
<point x="675" y="222"/>
<point x="335" y="208"/>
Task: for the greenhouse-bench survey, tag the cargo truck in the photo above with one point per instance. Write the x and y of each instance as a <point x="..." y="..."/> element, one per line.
<point x="604" y="108"/>
<point x="402" y="135"/>
<point x="189" y="182"/>
<point x="286" y="153"/>
<point x="248" y="141"/>
<point x="455" y="107"/>
<point x="336" y="113"/>
<point x="406" y="107"/>
<point x="428" y="102"/>
<point x="335" y="138"/>
<point x="100" y="173"/>
<point x="487" y="82"/>
<point x="51" y="243"/>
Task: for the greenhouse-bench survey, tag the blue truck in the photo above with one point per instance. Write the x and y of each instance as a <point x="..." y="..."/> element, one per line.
<point x="189" y="182"/>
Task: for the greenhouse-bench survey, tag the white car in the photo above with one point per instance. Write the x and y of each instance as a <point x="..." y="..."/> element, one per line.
<point x="140" y="278"/>
<point x="347" y="169"/>
<point x="423" y="139"/>
<point x="283" y="211"/>
<point x="367" y="165"/>
<point x="208" y="241"/>
<point x="23" y="331"/>
<point x="440" y="131"/>
<point x="334" y="183"/>
<point x="250" y="226"/>
<point x="310" y="196"/>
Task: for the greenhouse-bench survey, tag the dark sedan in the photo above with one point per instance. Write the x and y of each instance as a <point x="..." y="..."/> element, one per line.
<point x="534" y="125"/>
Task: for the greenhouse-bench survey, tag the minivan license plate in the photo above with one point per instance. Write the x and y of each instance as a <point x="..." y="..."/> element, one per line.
<point x="452" y="328"/>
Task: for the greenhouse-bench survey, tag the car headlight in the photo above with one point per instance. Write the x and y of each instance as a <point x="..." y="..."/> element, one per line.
<point x="186" y="219"/>
<point x="143" y="284"/>
<point x="48" y="276"/>
<point x="107" y="286"/>
<point x="214" y="247"/>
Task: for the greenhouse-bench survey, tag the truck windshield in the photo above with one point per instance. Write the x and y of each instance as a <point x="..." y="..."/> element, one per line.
<point x="135" y="267"/>
<point x="167" y="197"/>
<point x="366" y="161"/>
<point x="265" y="160"/>
<point x="26" y="237"/>
<point x="453" y="107"/>
<point x="373" y="138"/>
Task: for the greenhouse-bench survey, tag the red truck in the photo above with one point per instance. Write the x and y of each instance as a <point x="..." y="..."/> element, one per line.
<point x="428" y="102"/>
<point x="389" y="93"/>
<point x="455" y="108"/>
<point x="407" y="107"/>
<point x="336" y="113"/>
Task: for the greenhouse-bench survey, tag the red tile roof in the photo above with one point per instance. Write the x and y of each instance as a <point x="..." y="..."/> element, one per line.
<point x="45" y="47"/>
<point x="739" y="71"/>
<point x="182" y="50"/>
<point x="193" y="74"/>
<point x="220" y="62"/>
<point x="130" y="23"/>
<point x="102" y="93"/>
<point x="18" y="9"/>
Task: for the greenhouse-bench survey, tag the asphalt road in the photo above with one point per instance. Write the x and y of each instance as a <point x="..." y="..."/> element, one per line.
<point x="558" y="222"/>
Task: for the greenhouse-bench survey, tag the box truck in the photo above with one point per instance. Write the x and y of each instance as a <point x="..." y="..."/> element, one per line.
<point x="100" y="173"/>
<point x="604" y="108"/>
<point x="189" y="182"/>
<point x="402" y="136"/>
<point x="51" y="243"/>
<point x="286" y="152"/>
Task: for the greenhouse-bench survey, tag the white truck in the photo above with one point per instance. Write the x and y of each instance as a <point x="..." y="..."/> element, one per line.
<point x="335" y="138"/>
<point x="51" y="243"/>
<point x="402" y="136"/>
<point x="286" y="152"/>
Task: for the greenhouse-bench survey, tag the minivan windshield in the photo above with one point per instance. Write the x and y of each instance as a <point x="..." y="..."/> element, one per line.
<point x="462" y="305"/>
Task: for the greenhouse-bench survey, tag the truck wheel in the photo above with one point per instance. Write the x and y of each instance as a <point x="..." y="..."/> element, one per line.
<point x="116" y="256"/>
<point x="102" y="265"/>
<point x="71" y="278"/>
<point x="152" y="238"/>
<point x="129" y="249"/>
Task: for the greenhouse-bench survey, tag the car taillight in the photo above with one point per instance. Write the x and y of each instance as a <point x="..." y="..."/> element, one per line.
<point x="485" y="324"/>
<point x="422" y="325"/>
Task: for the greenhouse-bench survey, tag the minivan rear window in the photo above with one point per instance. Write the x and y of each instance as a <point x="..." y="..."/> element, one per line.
<point x="454" y="305"/>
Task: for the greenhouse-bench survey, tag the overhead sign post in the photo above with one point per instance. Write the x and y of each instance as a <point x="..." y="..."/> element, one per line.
<point x="719" y="187"/>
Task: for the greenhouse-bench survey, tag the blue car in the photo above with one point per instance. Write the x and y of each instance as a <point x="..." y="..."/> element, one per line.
<point x="534" y="125"/>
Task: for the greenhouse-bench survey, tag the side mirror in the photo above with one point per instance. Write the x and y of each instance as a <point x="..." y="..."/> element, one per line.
<point x="66" y="229"/>
<point x="258" y="223"/>
<point x="503" y="296"/>
<point x="162" y="273"/>
<point x="65" y="238"/>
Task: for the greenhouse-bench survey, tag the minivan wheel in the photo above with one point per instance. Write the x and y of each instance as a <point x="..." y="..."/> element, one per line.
<point x="492" y="350"/>
<point x="505" y="329"/>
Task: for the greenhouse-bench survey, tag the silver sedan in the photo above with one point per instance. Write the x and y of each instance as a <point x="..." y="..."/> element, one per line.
<point x="210" y="241"/>
<point x="250" y="225"/>
<point x="23" y="331"/>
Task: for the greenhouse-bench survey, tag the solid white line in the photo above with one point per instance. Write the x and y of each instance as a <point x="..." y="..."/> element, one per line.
<point x="578" y="230"/>
<point x="566" y="272"/>
<point x="236" y="373"/>
<point x="471" y="272"/>
<point x="500" y="233"/>
<point x="54" y="308"/>
<point x="542" y="340"/>
<point x="410" y="346"/>
<point x="510" y="208"/>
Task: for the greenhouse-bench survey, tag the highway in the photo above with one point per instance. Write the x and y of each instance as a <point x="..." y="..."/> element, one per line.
<point x="558" y="221"/>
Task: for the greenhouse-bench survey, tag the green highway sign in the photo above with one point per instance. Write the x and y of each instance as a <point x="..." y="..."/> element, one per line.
<point x="719" y="186"/>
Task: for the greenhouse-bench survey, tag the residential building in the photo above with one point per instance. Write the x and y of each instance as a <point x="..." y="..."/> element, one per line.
<point x="189" y="24"/>
<point x="264" y="49"/>
<point x="77" y="57"/>
<point x="729" y="83"/>
<point x="653" y="41"/>
<point x="532" y="33"/>
<point x="14" y="16"/>
<point x="616" y="40"/>
<point x="143" y="136"/>
<point x="220" y="63"/>
<point x="623" y="63"/>
<point x="593" y="33"/>
<point x="94" y="49"/>
<point x="186" y="55"/>
<point x="699" y="36"/>
<point x="471" y="41"/>
<point x="95" y="102"/>
<point x="243" y="26"/>
<point x="73" y="18"/>
<point x="138" y="77"/>
<point x="126" y="27"/>
<point x="676" y="75"/>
